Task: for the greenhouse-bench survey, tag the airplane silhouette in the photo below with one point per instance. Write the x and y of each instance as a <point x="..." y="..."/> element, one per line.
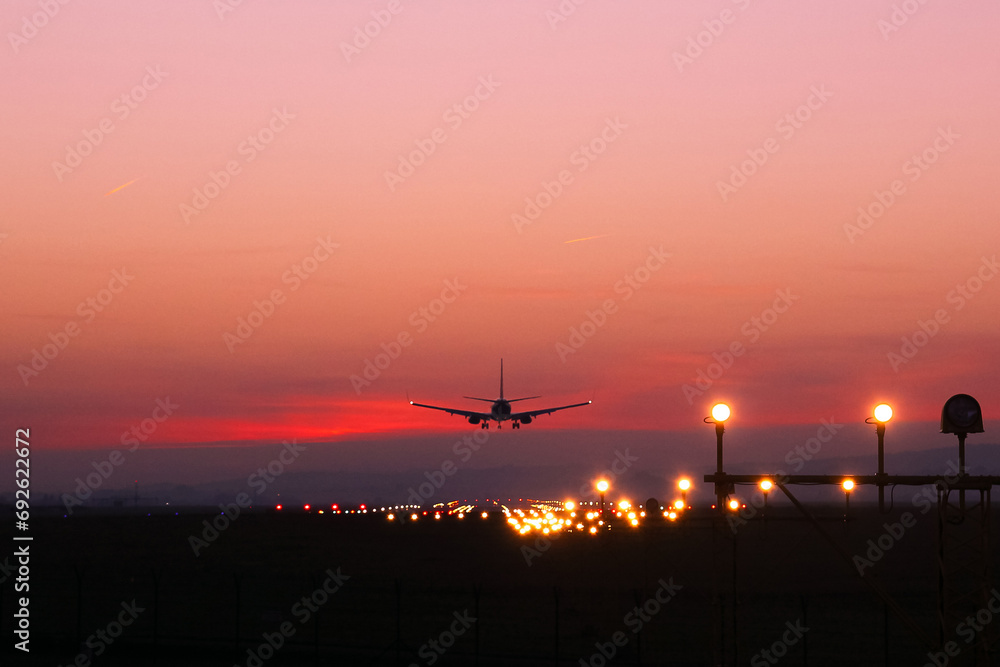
<point x="500" y="412"/>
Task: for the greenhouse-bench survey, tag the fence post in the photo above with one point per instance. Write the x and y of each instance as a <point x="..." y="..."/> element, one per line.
<point x="555" y="653"/>
<point x="477" y="590"/>
<point x="399" y="612"/>
<point x="237" y="580"/>
<point x="156" y="606"/>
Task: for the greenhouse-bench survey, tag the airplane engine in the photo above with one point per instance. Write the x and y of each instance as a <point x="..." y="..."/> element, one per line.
<point x="473" y="420"/>
<point x="525" y="420"/>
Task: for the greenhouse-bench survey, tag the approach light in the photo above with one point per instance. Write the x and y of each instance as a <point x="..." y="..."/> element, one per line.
<point x="766" y="485"/>
<point x="684" y="484"/>
<point x="961" y="414"/>
<point x="624" y="505"/>
<point x="306" y="507"/>
<point x="720" y="412"/>
<point x="391" y="516"/>
<point x="569" y="505"/>
<point x="883" y="413"/>
<point x="678" y="504"/>
<point x="734" y="504"/>
<point x="848" y="485"/>
<point x="602" y="486"/>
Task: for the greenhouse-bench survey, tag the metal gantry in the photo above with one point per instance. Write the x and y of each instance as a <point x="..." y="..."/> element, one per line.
<point x="965" y="583"/>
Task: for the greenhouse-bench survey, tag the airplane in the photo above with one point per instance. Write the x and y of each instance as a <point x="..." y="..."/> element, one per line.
<point x="500" y="412"/>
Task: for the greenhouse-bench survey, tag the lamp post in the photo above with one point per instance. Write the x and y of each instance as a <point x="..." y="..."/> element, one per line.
<point x="684" y="485"/>
<point x="961" y="415"/>
<point x="848" y="486"/>
<point x="881" y="415"/>
<point x="765" y="485"/>
<point x="720" y="413"/>
<point x="602" y="488"/>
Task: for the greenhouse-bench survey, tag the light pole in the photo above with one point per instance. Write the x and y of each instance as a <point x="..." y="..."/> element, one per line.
<point x="881" y="415"/>
<point x="602" y="488"/>
<point x="765" y="485"/>
<point x="848" y="486"/>
<point x="961" y="415"/>
<point x="684" y="485"/>
<point x="720" y="413"/>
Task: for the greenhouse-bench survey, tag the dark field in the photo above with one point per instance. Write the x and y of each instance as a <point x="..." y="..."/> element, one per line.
<point x="402" y="585"/>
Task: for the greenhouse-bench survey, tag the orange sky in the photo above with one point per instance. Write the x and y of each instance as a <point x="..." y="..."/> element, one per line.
<point x="353" y="177"/>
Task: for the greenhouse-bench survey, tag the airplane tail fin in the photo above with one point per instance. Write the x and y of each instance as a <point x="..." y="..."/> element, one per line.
<point x="501" y="378"/>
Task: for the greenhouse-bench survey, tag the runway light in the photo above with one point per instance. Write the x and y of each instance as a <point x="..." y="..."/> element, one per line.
<point x="848" y="485"/>
<point x="883" y="413"/>
<point x="391" y="516"/>
<point x="306" y="507"/>
<point x="734" y="504"/>
<point x="593" y="530"/>
<point x="624" y="504"/>
<point x="684" y="484"/>
<point x="484" y="514"/>
<point x="602" y="485"/>
<point x="678" y="504"/>
<point x="278" y="507"/>
<point x="720" y="412"/>
<point x="766" y="484"/>
<point x="414" y="517"/>
<point x="569" y="505"/>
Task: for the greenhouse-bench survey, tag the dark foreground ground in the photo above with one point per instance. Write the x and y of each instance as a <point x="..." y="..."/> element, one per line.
<point x="468" y="587"/>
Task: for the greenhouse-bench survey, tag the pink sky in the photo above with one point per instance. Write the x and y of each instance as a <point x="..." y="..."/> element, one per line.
<point x="336" y="126"/>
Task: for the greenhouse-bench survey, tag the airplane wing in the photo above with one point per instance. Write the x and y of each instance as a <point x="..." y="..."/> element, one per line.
<point x="452" y="411"/>
<point x="545" y="411"/>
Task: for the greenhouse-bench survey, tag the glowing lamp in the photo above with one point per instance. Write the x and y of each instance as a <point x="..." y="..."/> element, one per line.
<point x="602" y="486"/>
<point x="766" y="485"/>
<point x="684" y="484"/>
<point x="734" y="504"/>
<point x="883" y="413"/>
<point x="720" y="412"/>
<point x="848" y="485"/>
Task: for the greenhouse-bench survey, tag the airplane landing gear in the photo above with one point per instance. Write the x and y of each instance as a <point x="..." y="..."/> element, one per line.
<point x="516" y="425"/>
<point x="485" y="425"/>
